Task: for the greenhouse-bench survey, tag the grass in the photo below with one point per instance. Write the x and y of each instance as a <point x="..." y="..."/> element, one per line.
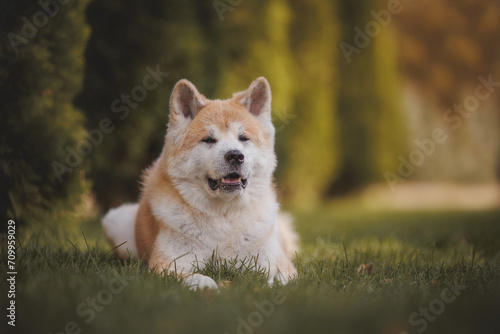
<point x="359" y="272"/>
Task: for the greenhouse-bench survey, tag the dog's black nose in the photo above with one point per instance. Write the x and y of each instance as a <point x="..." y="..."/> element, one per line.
<point x="234" y="157"/>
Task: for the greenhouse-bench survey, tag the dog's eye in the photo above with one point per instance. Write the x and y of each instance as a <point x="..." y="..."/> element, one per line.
<point x="209" y="140"/>
<point x="243" y="138"/>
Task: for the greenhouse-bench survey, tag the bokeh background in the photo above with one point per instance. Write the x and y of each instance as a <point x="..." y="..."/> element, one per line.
<point x="344" y="120"/>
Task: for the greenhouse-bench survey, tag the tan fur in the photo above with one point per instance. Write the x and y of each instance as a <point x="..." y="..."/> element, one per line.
<point x="146" y="225"/>
<point x="146" y="230"/>
<point x="221" y="113"/>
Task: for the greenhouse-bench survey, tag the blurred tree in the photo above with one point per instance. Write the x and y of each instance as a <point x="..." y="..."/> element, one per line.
<point x="459" y="41"/>
<point x="370" y="117"/>
<point x="309" y="161"/>
<point x="134" y="44"/>
<point x="444" y="47"/>
<point x="41" y="71"/>
<point x="248" y="50"/>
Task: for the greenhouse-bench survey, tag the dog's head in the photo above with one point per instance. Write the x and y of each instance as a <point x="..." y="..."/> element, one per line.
<point x="220" y="150"/>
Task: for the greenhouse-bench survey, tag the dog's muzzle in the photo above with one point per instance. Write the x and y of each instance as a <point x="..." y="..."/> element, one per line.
<point x="231" y="182"/>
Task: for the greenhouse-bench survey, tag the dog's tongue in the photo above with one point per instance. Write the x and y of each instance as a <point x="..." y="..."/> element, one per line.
<point x="231" y="179"/>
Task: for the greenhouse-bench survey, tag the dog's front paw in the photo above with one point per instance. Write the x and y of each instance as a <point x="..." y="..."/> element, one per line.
<point x="198" y="281"/>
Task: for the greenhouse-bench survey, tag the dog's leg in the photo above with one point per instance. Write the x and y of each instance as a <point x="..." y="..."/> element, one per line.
<point x="283" y="273"/>
<point x="182" y="267"/>
<point x="282" y="269"/>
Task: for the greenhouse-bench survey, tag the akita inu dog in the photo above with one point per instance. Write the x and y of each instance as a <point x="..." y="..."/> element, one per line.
<point x="210" y="190"/>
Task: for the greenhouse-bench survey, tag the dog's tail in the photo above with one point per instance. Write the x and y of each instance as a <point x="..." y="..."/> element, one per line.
<point x="288" y="236"/>
<point x="119" y="227"/>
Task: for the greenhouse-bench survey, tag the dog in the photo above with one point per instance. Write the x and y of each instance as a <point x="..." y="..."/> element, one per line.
<point x="211" y="190"/>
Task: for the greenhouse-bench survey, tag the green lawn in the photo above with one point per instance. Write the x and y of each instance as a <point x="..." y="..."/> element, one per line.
<point x="359" y="272"/>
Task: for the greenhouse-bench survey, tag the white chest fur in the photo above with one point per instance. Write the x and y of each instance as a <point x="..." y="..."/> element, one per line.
<point x="241" y="233"/>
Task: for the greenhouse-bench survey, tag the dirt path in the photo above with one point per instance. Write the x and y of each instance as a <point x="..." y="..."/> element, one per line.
<point x="434" y="196"/>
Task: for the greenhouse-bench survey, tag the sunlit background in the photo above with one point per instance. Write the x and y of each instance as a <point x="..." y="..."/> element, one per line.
<point x="395" y="103"/>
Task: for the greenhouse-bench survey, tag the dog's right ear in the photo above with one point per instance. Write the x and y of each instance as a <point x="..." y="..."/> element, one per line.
<point x="185" y="101"/>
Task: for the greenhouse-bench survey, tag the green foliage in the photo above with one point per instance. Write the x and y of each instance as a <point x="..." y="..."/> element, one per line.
<point x="249" y="50"/>
<point x="414" y="256"/>
<point x="370" y="110"/>
<point x="37" y="116"/>
<point x="309" y="142"/>
<point x="129" y="36"/>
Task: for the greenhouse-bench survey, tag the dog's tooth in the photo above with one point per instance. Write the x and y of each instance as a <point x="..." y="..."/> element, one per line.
<point x="223" y="180"/>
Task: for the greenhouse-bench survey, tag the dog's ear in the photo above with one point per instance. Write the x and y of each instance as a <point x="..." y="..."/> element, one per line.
<point x="257" y="99"/>
<point x="185" y="101"/>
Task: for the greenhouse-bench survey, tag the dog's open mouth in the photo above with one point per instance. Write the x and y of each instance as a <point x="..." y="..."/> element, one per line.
<point x="230" y="182"/>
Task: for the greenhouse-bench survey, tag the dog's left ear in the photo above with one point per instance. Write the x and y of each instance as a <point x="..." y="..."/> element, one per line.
<point x="185" y="101"/>
<point x="257" y="99"/>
